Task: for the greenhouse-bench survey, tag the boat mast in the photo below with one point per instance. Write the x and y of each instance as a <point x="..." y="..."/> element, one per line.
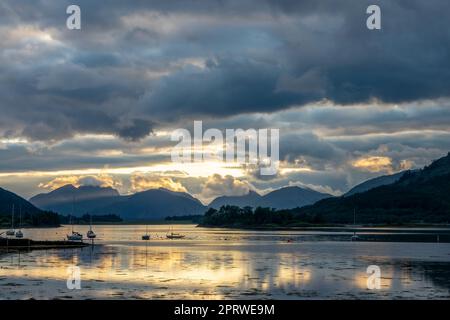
<point x="12" y="217"/>
<point x="73" y="203"/>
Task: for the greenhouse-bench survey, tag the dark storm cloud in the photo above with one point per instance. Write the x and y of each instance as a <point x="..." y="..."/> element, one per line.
<point x="225" y="88"/>
<point x="19" y="158"/>
<point x="307" y="145"/>
<point x="136" y="66"/>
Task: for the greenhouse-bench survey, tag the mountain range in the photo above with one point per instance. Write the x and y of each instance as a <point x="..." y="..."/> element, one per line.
<point x="160" y="203"/>
<point x="72" y="200"/>
<point x="150" y="204"/>
<point x="284" y="198"/>
<point x="412" y="195"/>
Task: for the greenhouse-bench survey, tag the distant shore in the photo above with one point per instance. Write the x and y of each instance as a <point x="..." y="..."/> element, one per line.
<point x="410" y="233"/>
<point x="337" y="227"/>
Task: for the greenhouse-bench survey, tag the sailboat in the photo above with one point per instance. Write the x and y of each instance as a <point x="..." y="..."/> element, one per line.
<point x="91" y="234"/>
<point x="19" y="233"/>
<point x="146" y="236"/>
<point x="11" y="232"/>
<point x="75" y="236"/>
<point x="173" y="235"/>
<point x="354" y="236"/>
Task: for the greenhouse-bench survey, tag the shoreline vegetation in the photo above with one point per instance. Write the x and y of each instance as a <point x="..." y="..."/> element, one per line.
<point x="230" y="217"/>
<point x="44" y="219"/>
<point x="292" y="219"/>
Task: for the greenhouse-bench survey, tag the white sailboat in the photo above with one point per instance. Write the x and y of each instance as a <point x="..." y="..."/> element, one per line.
<point x="12" y="231"/>
<point x="91" y="234"/>
<point x="19" y="233"/>
<point x="75" y="236"/>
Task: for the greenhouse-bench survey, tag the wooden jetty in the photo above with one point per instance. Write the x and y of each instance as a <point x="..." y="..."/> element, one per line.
<point x="9" y="244"/>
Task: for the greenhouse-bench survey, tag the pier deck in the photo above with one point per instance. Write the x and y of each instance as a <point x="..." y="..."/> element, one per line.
<point x="28" y="244"/>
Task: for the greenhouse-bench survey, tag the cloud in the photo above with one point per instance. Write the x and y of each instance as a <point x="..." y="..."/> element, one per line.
<point x="141" y="182"/>
<point x="374" y="164"/>
<point x="101" y="180"/>
<point x="217" y="185"/>
<point x="136" y="68"/>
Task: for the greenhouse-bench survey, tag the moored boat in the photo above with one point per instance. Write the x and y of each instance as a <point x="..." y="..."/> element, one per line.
<point x="12" y="231"/>
<point x="91" y="234"/>
<point x="146" y="236"/>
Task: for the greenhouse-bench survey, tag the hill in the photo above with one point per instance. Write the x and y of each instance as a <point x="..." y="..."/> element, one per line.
<point x="30" y="214"/>
<point x="153" y="204"/>
<point x="418" y="196"/>
<point x="374" y="183"/>
<point x="250" y="199"/>
<point x="69" y="199"/>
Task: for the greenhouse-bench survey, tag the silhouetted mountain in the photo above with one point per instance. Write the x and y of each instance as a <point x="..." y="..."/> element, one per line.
<point x="81" y="200"/>
<point x="284" y="198"/>
<point x="150" y="204"/>
<point x="153" y="204"/>
<point x="374" y="183"/>
<point x="422" y="195"/>
<point x="250" y="199"/>
<point x="7" y="199"/>
<point x="29" y="213"/>
<point x="291" y="197"/>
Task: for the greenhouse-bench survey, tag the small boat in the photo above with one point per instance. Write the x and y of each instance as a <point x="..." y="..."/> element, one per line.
<point x="12" y="231"/>
<point x="354" y="236"/>
<point x="146" y="237"/>
<point x="19" y="233"/>
<point x="172" y="235"/>
<point x="175" y="236"/>
<point x="91" y="234"/>
<point x="75" y="236"/>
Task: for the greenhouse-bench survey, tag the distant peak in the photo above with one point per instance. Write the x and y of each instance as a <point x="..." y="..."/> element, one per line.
<point x="93" y="187"/>
<point x="67" y="187"/>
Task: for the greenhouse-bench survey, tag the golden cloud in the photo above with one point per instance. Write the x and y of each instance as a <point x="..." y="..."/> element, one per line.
<point x="142" y="182"/>
<point x="374" y="164"/>
<point x="100" y="180"/>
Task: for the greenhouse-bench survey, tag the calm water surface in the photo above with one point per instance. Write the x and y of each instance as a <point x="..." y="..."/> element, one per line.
<point x="225" y="264"/>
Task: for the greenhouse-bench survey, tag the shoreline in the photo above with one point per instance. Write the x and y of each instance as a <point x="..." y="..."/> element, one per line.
<point x="339" y="228"/>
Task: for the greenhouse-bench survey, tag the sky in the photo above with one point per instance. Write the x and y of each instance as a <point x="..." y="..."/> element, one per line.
<point x="97" y="106"/>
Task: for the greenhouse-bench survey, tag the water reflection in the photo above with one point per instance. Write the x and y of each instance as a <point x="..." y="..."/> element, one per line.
<point x="205" y="266"/>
